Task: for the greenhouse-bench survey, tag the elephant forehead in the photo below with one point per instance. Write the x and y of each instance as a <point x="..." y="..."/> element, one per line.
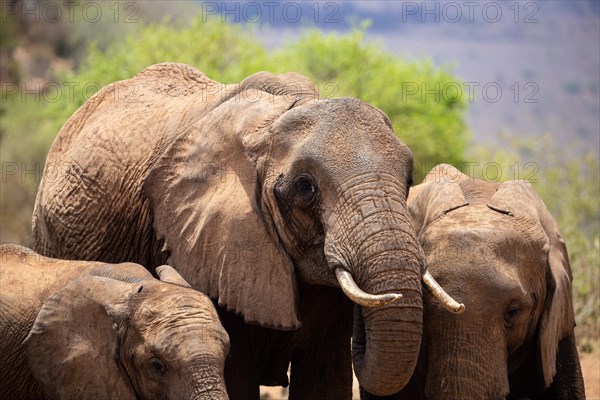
<point x="341" y="120"/>
<point x="176" y="320"/>
<point x="485" y="245"/>
<point x="487" y="240"/>
<point x="188" y="341"/>
<point x="477" y="220"/>
<point x="168" y="302"/>
<point x="341" y="134"/>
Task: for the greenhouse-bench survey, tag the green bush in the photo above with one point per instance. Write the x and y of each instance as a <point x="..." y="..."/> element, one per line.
<point x="223" y="52"/>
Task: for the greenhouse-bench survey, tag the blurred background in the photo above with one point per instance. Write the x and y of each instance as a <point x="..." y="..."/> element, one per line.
<point x="500" y="89"/>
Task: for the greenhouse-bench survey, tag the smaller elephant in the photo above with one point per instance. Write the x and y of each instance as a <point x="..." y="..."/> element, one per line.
<point x="495" y="247"/>
<point x="91" y="330"/>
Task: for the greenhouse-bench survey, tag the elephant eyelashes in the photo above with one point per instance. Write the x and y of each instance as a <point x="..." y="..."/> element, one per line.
<point x="301" y="192"/>
<point x="511" y="314"/>
<point x="157" y="367"/>
<point x="305" y="189"/>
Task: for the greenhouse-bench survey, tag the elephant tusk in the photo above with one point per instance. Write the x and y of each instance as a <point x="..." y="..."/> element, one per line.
<point x="355" y="293"/>
<point x="441" y="296"/>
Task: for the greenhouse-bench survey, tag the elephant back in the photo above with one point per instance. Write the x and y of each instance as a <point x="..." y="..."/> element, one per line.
<point x="96" y="166"/>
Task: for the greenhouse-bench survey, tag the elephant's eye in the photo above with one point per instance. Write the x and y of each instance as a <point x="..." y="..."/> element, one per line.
<point x="305" y="188"/>
<point x="512" y="314"/>
<point x="157" y="367"/>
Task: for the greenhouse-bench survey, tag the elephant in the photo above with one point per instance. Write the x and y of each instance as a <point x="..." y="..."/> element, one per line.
<point x="495" y="247"/>
<point x="283" y="207"/>
<point x="91" y="330"/>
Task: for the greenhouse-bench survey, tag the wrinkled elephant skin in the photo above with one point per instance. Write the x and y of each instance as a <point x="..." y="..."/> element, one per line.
<point x="258" y="192"/>
<point x="495" y="247"/>
<point x="91" y="330"/>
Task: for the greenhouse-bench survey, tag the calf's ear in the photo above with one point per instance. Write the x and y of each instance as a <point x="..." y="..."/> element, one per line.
<point x="72" y="348"/>
<point x="438" y="194"/>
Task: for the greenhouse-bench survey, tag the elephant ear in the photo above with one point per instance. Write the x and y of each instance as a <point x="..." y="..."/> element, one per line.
<point x="518" y="199"/>
<point x="439" y="194"/>
<point x="72" y="346"/>
<point x="205" y="195"/>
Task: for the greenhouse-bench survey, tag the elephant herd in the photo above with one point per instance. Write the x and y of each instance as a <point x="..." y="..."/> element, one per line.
<point x="299" y="254"/>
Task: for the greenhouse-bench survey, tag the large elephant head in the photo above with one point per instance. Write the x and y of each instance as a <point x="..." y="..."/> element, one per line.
<point x="128" y="338"/>
<point x="248" y="188"/>
<point x="496" y="248"/>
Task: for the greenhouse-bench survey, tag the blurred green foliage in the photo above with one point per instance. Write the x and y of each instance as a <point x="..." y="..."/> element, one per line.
<point x="6" y="32"/>
<point x="224" y="52"/>
<point x="568" y="180"/>
<point x="419" y="98"/>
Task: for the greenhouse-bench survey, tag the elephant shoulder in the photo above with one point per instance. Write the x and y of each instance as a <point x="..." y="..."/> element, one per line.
<point x="11" y="250"/>
<point x="24" y="285"/>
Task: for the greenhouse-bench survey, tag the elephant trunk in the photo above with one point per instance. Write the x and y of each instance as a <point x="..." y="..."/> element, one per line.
<point x="370" y="237"/>
<point x="206" y="383"/>
<point x="386" y="339"/>
<point x="464" y="362"/>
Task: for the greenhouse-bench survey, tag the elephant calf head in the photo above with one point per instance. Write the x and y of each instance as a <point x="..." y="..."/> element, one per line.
<point x="495" y="247"/>
<point x="116" y="332"/>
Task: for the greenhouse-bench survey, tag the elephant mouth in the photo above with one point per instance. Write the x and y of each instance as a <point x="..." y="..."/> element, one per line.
<point x="362" y="298"/>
